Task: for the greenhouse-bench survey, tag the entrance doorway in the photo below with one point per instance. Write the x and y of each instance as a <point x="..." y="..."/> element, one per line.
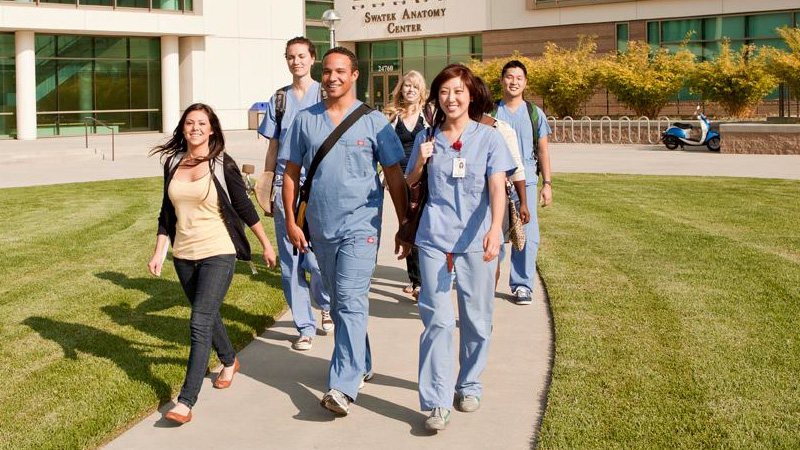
<point x="382" y="86"/>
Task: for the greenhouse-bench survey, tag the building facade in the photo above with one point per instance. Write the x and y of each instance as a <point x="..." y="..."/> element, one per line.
<point x="394" y="36"/>
<point x="134" y="65"/>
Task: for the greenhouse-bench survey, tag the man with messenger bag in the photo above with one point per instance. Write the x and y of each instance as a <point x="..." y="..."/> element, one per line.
<point x="339" y="142"/>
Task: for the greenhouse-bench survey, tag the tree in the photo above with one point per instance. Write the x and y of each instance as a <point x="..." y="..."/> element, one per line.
<point x="786" y="65"/>
<point x="565" y="78"/>
<point x="490" y="71"/>
<point x="736" y="80"/>
<point x="644" y="80"/>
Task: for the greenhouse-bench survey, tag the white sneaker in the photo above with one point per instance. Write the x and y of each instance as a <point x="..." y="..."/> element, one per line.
<point x="522" y="296"/>
<point x="438" y="419"/>
<point x="303" y="343"/>
<point x="364" y="380"/>
<point x="327" y="322"/>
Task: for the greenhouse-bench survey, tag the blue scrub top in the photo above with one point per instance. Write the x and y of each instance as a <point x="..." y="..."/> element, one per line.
<point x="268" y="127"/>
<point x="347" y="196"/>
<point x="457" y="215"/>
<point x="520" y="121"/>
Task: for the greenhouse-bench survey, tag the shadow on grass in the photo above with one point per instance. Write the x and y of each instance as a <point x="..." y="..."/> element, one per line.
<point x="130" y="356"/>
<point x="165" y="294"/>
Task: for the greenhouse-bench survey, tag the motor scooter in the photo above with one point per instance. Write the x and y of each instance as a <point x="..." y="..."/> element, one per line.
<point x="679" y="134"/>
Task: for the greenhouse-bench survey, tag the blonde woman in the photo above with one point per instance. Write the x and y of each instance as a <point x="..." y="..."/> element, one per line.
<point x="405" y="114"/>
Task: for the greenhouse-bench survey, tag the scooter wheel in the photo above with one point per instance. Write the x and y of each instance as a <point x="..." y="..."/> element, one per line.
<point x="671" y="142"/>
<point x="713" y="144"/>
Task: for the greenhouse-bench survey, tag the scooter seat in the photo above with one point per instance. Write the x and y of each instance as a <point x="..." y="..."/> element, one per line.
<point x="683" y="126"/>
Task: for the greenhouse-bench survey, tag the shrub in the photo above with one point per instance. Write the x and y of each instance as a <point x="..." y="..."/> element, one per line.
<point x="786" y="65"/>
<point x="644" y="80"/>
<point x="736" y="80"/>
<point x="565" y="78"/>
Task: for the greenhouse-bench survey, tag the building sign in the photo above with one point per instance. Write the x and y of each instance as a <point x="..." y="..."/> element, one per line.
<point x="386" y="66"/>
<point x="408" y="21"/>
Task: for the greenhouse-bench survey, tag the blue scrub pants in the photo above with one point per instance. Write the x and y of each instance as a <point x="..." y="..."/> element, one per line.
<point x="523" y="263"/>
<point x="475" y="293"/>
<point x="296" y="289"/>
<point x="347" y="268"/>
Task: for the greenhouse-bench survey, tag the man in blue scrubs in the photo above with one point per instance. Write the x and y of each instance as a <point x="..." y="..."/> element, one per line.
<point x="344" y="212"/>
<point x="302" y="93"/>
<point x="514" y="110"/>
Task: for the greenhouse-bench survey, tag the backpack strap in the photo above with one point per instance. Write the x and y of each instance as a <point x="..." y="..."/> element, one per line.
<point x="534" y="114"/>
<point x="280" y="109"/>
<point x="324" y="149"/>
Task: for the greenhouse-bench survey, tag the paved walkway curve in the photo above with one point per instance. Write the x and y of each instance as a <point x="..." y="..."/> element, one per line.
<point x="274" y="400"/>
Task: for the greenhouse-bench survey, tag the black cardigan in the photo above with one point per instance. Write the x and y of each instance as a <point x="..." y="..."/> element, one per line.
<point x="239" y="208"/>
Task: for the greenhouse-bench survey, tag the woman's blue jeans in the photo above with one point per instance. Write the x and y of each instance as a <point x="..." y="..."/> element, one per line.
<point x="205" y="282"/>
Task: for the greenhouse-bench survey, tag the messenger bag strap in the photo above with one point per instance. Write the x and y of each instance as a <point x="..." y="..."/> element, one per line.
<point x="327" y="145"/>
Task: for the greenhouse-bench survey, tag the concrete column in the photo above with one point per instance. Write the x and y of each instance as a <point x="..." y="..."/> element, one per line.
<point x="26" y="85"/>
<point x="192" y="51"/>
<point x="170" y="83"/>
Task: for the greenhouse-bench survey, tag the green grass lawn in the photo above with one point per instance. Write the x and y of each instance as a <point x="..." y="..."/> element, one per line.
<point x="89" y="341"/>
<point x="676" y="304"/>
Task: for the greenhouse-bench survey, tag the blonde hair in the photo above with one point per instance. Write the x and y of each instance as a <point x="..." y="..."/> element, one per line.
<point x="399" y="106"/>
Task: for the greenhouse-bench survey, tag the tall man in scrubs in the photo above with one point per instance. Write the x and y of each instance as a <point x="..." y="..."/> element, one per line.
<point x="344" y="212"/>
<point x="514" y="110"/>
<point x="302" y="93"/>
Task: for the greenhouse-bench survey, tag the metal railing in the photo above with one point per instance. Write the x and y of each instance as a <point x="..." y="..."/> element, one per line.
<point x="101" y="123"/>
<point x="564" y="130"/>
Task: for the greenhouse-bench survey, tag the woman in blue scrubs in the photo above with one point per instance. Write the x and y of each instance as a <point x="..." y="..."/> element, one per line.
<point x="460" y="232"/>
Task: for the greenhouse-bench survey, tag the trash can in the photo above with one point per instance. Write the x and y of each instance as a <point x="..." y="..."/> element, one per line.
<point x="255" y="115"/>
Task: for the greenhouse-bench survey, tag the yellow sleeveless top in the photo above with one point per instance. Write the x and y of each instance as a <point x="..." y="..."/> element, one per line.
<point x="200" y="231"/>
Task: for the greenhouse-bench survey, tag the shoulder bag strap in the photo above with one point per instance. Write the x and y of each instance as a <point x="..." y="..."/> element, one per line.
<point x="327" y="145"/>
<point x="280" y="109"/>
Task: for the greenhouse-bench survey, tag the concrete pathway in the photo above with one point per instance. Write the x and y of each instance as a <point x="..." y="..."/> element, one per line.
<point x="274" y="400"/>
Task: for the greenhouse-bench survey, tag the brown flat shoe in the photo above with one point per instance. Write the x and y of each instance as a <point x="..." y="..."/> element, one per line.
<point x="224" y="384"/>
<point x="178" y="418"/>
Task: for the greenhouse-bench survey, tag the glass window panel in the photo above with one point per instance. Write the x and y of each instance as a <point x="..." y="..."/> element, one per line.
<point x="45" y="46"/>
<point x="414" y="48"/>
<point x="710" y="50"/>
<point x="71" y="124"/>
<point x="436" y="47"/>
<point x="46" y="125"/>
<point x="765" y="25"/>
<point x="314" y="10"/>
<point x="143" y="121"/>
<point x="188" y="5"/>
<point x="477" y="44"/>
<point x="112" y="85"/>
<point x="386" y="50"/>
<point x="461" y="45"/>
<point x="433" y="66"/>
<point x="145" y="48"/>
<point x="777" y="43"/>
<point x="362" y="84"/>
<point x="134" y="3"/>
<point x="167" y="5"/>
<point x="98" y="2"/>
<point x="318" y="34"/>
<point x="75" y="85"/>
<point x="8" y="125"/>
<point x="733" y="27"/>
<point x="711" y="28"/>
<point x="7" y="48"/>
<point x="622" y="37"/>
<point x="111" y="47"/>
<point x="653" y="35"/>
<point x="417" y="64"/>
<point x="316" y="71"/>
<point x="362" y="50"/>
<point x="8" y="87"/>
<point x="322" y="48"/>
<point x="676" y="30"/>
<point x="74" y="46"/>
<point x="46" y="92"/>
<point x="58" y="1"/>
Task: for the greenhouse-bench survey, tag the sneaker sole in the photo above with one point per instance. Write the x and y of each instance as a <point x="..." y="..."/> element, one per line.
<point x="333" y="407"/>
<point x="523" y="302"/>
<point x="435" y="427"/>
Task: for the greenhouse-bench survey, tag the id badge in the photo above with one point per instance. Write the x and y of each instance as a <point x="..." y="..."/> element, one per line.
<point x="459" y="167"/>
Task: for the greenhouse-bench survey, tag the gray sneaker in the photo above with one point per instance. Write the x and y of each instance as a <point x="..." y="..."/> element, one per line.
<point x="438" y="419"/>
<point x="336" y="402"/>
<point x="522" y="296"/>
<point x="468" y="403"/>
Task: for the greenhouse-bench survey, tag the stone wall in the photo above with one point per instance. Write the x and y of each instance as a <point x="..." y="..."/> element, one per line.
<point x="764" y="139"/>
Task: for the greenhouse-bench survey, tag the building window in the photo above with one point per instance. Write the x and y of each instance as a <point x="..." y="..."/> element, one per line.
<point x="382" y="63"/>
<point x="622" y="37"/>
<point x="116" y="80"/>
<point x="8" y="86"/>
<point x="317" y="32"/>
<point x="155" y="5"/>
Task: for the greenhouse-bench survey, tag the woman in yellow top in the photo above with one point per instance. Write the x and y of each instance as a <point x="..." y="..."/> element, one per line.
<point x="202" y="210"/>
